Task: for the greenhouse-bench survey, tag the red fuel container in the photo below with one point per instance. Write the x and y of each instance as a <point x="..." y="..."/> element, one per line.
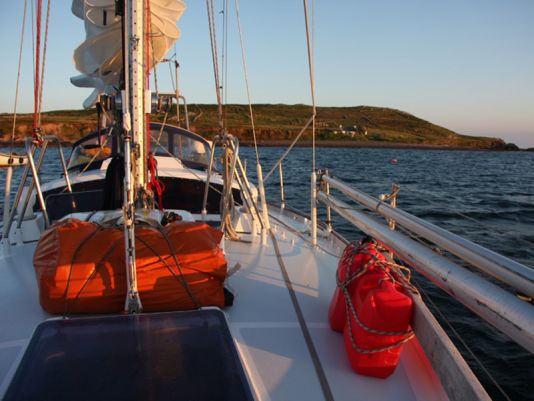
<point x="386" y="309"/>
<point x="348" y="264"/>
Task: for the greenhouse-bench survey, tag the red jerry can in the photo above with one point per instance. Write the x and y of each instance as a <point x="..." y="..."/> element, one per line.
<point x="384" y="309"/>
<point x="349" y="263"/>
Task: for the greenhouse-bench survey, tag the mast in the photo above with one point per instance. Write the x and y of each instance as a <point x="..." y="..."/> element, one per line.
<point x="136" y="47"/>
<point x="134" y="143"/>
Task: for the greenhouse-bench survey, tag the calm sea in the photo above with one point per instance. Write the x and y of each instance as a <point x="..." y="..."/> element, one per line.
<point x="487" y="197"/>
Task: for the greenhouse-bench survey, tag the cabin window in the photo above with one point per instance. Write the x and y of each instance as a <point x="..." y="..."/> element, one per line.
<point x="166" y="141"/>
<point x="90" y="151"/>
<point x="174" y="142"/>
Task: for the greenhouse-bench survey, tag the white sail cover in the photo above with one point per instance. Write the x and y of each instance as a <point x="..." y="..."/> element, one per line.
<point x="99" y="58"/>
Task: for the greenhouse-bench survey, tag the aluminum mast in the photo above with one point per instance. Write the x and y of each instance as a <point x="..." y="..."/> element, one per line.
<point x="133" y="124"/>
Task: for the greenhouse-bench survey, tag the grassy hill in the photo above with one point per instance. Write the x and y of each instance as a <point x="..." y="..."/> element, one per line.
<point x="279" y="123"/>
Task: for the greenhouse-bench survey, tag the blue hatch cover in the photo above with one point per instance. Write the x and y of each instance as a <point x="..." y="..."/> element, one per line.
<point x="161" y="356"/>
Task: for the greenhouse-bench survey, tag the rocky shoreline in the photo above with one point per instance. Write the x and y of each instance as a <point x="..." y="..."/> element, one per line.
<point x="374" y="144"/>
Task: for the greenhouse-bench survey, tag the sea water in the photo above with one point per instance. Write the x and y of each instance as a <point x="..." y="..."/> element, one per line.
<point x="486" y="197"/>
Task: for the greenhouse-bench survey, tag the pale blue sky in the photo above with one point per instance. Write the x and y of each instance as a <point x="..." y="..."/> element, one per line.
<point x="467" y="65"/>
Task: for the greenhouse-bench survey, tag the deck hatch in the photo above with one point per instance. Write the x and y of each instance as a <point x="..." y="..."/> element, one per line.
<point x="161" y="356"/>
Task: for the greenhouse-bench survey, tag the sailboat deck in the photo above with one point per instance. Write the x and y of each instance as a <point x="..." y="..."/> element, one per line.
<point x="280" y="361"/>
<point x="265" y="324"/>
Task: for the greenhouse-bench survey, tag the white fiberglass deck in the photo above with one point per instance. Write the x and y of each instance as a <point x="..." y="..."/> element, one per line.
<point x="270" y="339"/>
<point x="263" y="321"/>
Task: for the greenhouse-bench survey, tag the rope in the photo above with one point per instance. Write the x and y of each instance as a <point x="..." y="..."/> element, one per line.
<point x="245" y="73"/>
<point x="68" y="307"/>
<point x="227" y="200"/>
<point x="17" y="86"/>
<point x="66" y="310"/>
<point x="173" y="253"/>
<point x="179" y="277"/>
<point x="393" y="272"/>
<point x="352" y="312"/>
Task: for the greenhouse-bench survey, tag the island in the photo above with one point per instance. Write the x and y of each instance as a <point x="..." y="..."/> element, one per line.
<point x="278" y="125"/>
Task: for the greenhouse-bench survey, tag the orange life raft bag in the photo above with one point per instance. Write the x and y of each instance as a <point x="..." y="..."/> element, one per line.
<point x="80" y="267"/>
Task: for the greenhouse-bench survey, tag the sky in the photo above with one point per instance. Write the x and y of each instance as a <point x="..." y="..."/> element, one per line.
<point x="467" y="65"/>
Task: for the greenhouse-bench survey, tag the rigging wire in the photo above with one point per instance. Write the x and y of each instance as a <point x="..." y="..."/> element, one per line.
<point x="43" y="62"/>
<point x="33" y="6"/>
<point x="37" y="65"/>
<point x="214" y="56"/>
<point x="224" y="58"/>
<point x="481" y="224"/>
<point x="313" y="60"/>
<point x="173" y="84"/>
<point x="462" y="341"/>
<point x="312" y="86"/>
<point x="444" y="318"/>
<point x="311" y="68"/>
<point x="151" y="47"/>
<point x="17" y="86"/>
<point x="245" y="73"/>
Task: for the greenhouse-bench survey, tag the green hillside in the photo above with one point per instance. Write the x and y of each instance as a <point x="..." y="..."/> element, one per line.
<point x="278" y="122"/>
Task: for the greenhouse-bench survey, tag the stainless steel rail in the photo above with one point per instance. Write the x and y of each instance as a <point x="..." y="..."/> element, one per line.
<point x="507" y="270"/>
<point x="495" y="305"/>
<point x="30" y="151"/>
<point x="35" y="183"/>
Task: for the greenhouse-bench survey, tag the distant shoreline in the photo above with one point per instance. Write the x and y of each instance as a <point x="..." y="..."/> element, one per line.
<point x="328" y="144"/>
<point x="365" y="144"/>
<point x="277" y="124"/>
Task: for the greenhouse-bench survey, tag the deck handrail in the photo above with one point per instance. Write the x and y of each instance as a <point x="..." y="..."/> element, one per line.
<point x="508" y="271"/>
<point x="30" y="151"/>
<point x="497" y="306"/>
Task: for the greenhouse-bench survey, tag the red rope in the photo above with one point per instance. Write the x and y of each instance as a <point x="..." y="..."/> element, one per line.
<point x="155" y="183"/>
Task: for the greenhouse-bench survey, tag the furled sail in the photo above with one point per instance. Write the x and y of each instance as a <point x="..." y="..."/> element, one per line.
<point x="99" y="57"/>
